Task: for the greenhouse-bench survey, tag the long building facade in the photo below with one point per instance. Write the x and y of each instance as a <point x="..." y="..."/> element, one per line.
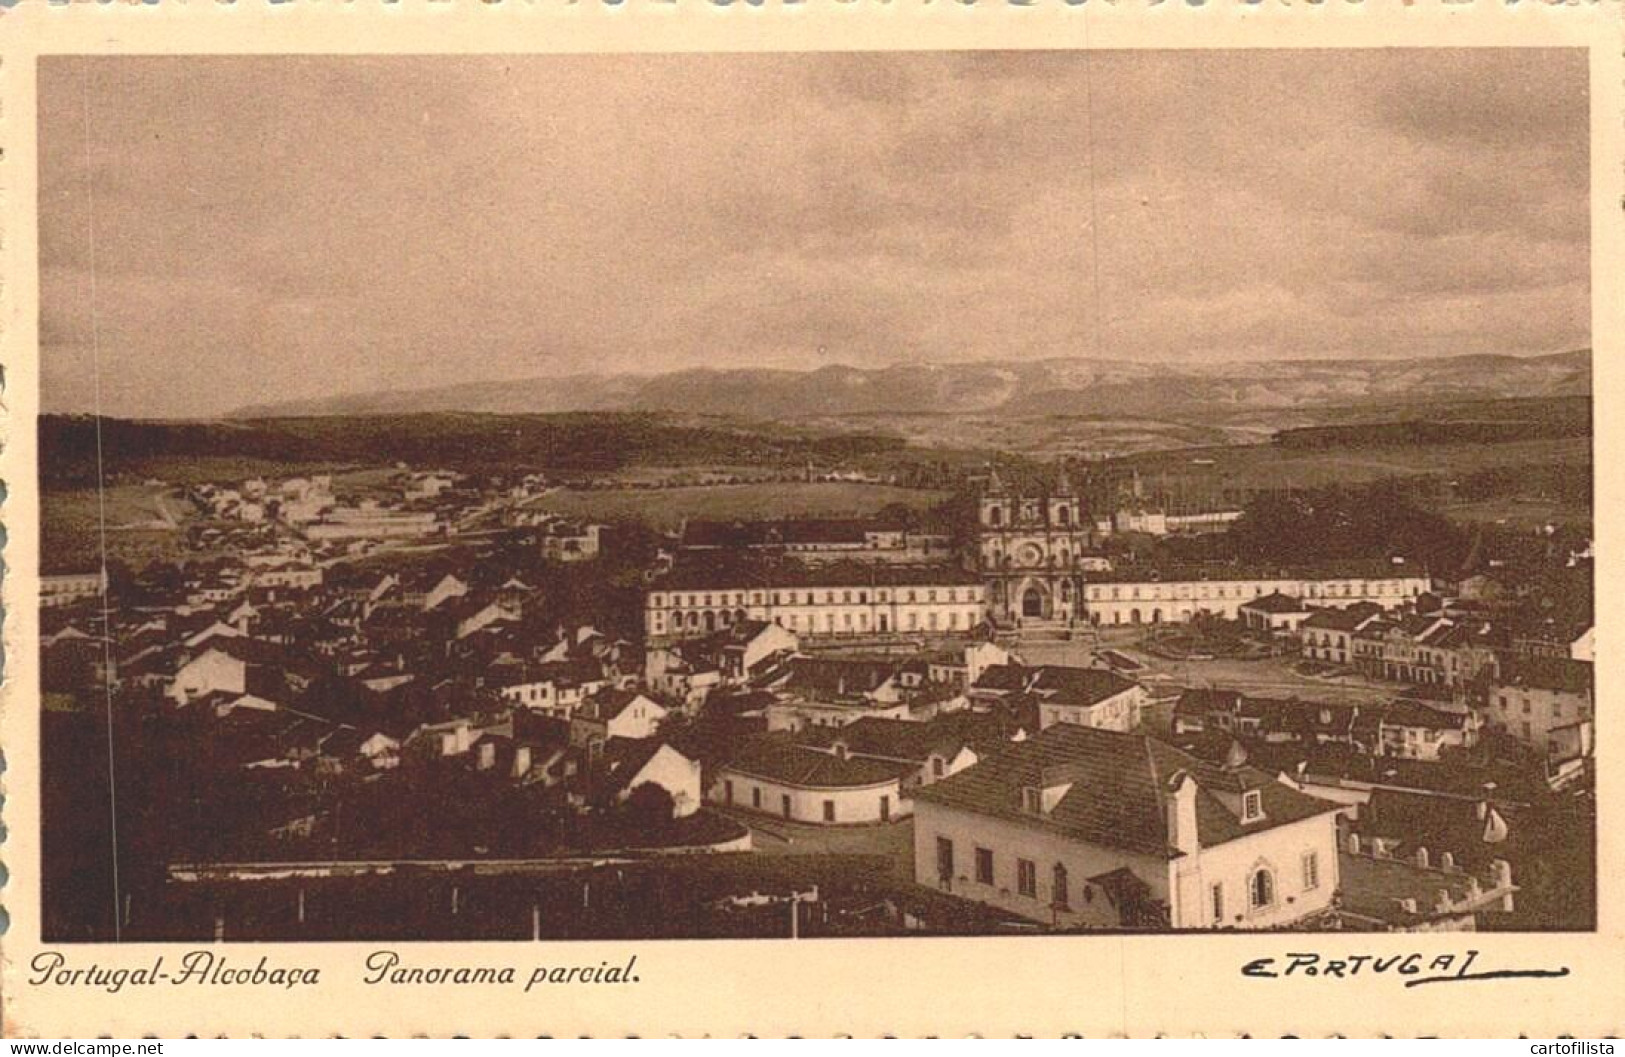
<point x="1177" y="595"/>
<point x="1036" y="562"/>
<point x="824" y="601"/>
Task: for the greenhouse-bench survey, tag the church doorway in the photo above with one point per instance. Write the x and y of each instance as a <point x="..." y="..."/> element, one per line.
<point x="1032" y="602"/>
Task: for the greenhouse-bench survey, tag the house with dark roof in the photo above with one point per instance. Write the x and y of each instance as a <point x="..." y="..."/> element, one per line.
<point x="1350" y="775"/>
<point x="615" y="713"/>
<point x="1091" y="697"/>
<point x="1327" y="635"/>
<point x="236" y="665"/>
<point x="687" y="676"/>
<point x="1465" y="833"/>
<point x="1385" y="889"/>
<point x="1418" y="730"/>
<point x="1201" y="709"/>
<point x="936" y="749"/>
<point x="1446" y="649"/>
<point x="1080" y="827"/>
<point x="1547" y="703"/>
<point x="1275" y="613"/>
<point x="624" y="764"/>
<point x="772" y="774"/>
<point x="742" y="652"/>
<point x="1403" y="728"/>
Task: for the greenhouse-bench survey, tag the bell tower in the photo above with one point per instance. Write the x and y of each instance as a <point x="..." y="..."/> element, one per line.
<point x="997" y="508"/>
<point x="1065" y="510"/>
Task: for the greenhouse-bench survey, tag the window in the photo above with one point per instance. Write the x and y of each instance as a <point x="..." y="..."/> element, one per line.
<point x="1252" y="805"/>
<point x="1032" y="800"/>
<point x="728" y="791"/>
<point x="1261" y="889"/>
<point x="1311" y="871"/>
<point x="984" y="866"/>
<point x="1059" y="893"/>
<point x="945" y="859"/>
<point x="1027" y="878"/>
<point x="829" y="811"/>
<point x="1216" y="896"/>
<point x="937" y="766"/>
<point x="756" y="797"/>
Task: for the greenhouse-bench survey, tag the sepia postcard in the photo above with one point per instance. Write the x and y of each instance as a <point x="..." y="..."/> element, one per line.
<point x="901" y="518"/>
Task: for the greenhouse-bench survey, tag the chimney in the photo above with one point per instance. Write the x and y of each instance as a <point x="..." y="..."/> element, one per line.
<point x="1408" y="905"/>
<point x="488" y="755"/>
<point x="1180" y="805"/>
<point x="465" y="737"/>
<point x="521" y="761"/>
<point x="1422" y="857"/>
<point x="1447" y="861"/>
<point x="1503" y="881"/>
<point x="1443" y="904"/>
<point x="1354" y="844"/>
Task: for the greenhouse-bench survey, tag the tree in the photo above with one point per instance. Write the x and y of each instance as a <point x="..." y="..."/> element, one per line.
<point x="649" y="806"/>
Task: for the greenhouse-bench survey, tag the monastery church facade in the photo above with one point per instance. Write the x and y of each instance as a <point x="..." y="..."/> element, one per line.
<point x="1033" y="551"/>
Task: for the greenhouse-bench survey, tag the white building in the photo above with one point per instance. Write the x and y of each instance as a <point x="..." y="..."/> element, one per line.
<point x="1080" y="827"/>
<point x="1275" y="613"/>
<point x="67" y="588"/>
<point x="1548" y="703"/>
<point x="630" y="764"/>
<point x="372" y="522"/>
<point x="616" y="714"/>
<point x="1328" y="634"/>
<point x="1088" y="697"/>
<point x="826" y="601"/>
<point x="772" y="775"/>
<point x="1133" y="596"/>
<point x="212" y="670"/>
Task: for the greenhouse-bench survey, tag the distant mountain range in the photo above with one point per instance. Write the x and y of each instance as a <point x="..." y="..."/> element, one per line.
<point x="1054" y="387"/>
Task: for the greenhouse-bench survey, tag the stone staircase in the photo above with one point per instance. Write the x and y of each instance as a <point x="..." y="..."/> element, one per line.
<point x="1035" y="630"/>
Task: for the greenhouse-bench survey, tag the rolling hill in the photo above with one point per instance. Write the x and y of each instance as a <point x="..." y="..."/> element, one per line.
<point x="1066" y="387"/>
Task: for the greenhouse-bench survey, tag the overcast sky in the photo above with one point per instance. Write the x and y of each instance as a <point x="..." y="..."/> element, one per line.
<point x="276" y="228"/>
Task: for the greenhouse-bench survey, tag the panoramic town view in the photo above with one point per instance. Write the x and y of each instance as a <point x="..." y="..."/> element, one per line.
<point x="880" y="547"/>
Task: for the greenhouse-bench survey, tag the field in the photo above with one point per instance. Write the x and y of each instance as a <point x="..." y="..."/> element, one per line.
<point x="142" y="525"/>
<point x="666" y="508"/>
<point x="1240" y="470"/>
<point x="1519" y="513"/>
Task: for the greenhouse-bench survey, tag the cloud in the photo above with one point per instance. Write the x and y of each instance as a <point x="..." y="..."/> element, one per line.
<point x="302" y="226"/>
